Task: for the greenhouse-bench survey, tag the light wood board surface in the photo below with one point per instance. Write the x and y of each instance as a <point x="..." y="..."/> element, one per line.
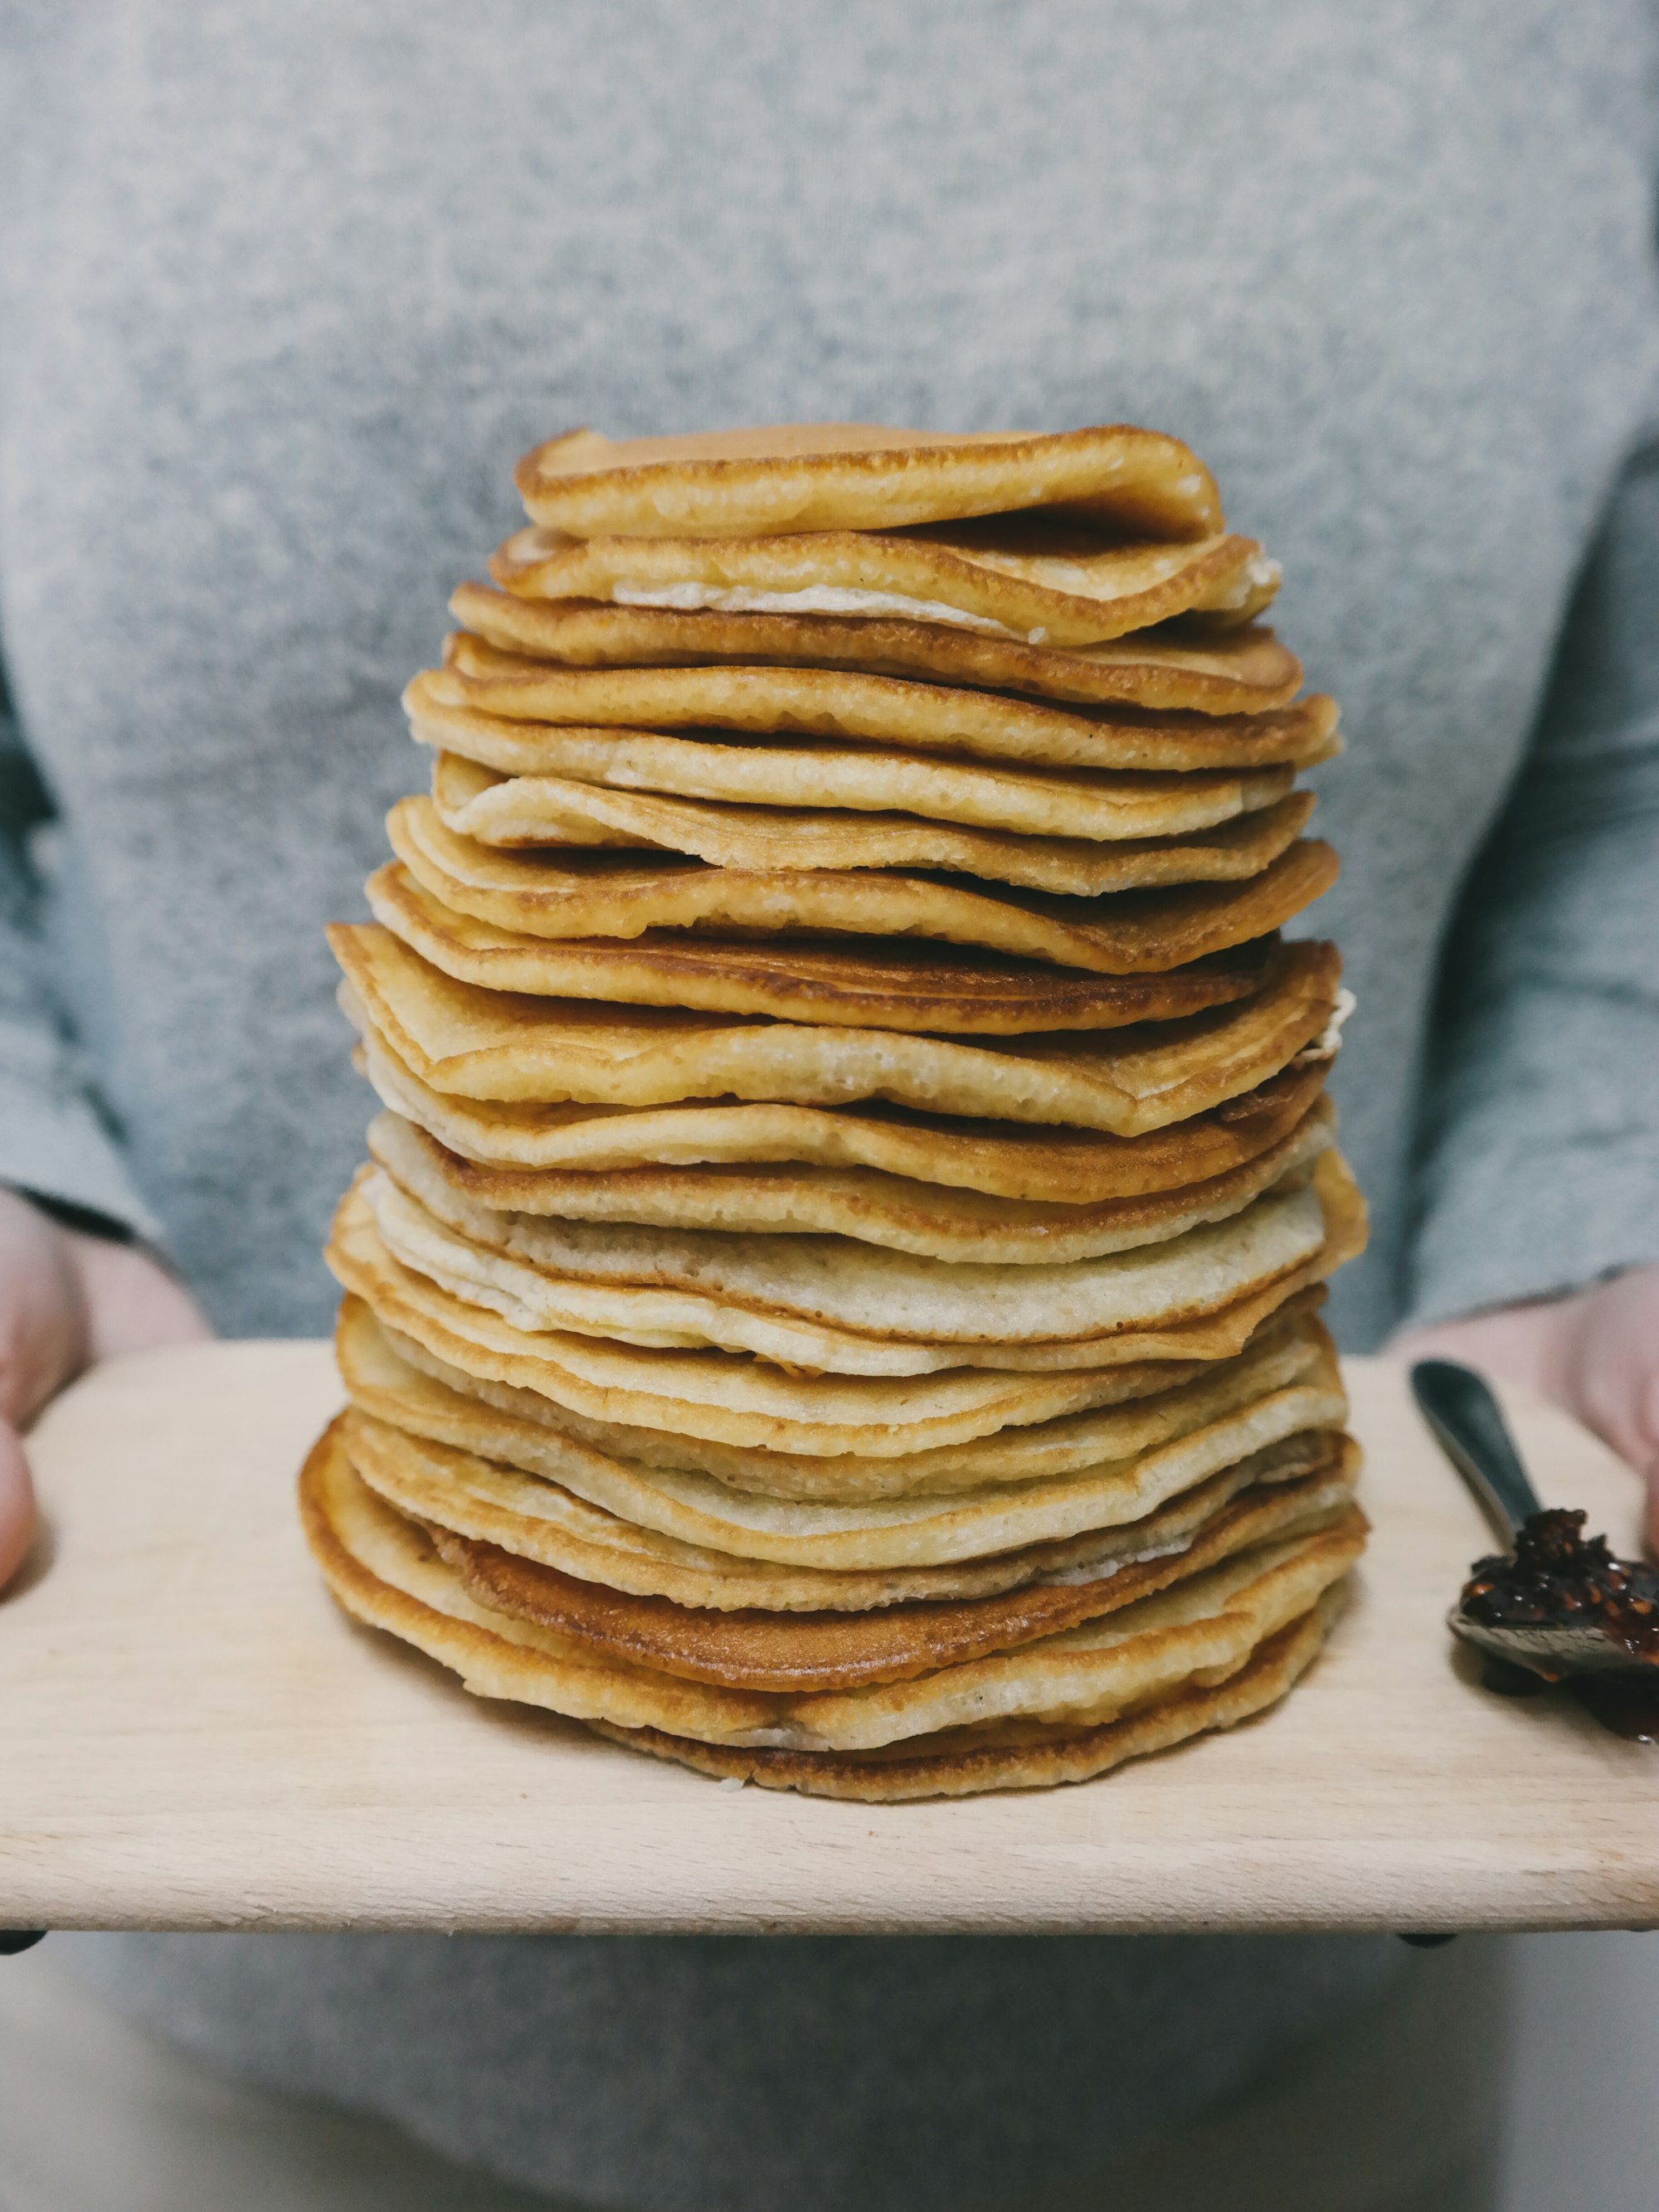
<point x="192" y="1737"/>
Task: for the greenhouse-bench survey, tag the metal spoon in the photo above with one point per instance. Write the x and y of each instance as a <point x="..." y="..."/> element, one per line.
<point x="1463" y="1415"/>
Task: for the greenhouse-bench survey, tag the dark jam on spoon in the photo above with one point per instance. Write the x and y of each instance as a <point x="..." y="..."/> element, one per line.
<point x="1561" y="1578"/>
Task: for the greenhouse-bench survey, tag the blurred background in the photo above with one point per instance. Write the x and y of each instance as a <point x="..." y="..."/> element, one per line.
<point x="1584" y="2128"/>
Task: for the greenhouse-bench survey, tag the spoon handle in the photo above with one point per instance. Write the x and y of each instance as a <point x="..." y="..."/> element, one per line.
<point x="1463" y="1415"/>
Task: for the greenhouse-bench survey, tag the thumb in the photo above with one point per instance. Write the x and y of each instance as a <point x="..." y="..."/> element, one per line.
<point x="16" y="1503"/>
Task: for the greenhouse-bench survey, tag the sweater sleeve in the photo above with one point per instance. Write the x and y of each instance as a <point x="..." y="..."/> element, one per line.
<point x="56" y="1140"/>
<point x="1537" y="1169"/>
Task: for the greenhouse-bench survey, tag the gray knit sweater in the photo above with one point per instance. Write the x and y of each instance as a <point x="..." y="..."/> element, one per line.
<point x="286" y="290"/>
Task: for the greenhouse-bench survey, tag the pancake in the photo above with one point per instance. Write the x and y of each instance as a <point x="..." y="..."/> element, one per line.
<point x="837" y="1306"/>
<point x="708" y="1394"/>
<point x="629" y="896"/>
<point x="1206" y="1626"/>
<point x="518" y="813"/>
<point x="401" y="1382"/>
<point x="1289" y="1488"/>
<point x="1025" y="576"/>
<point x="430" y="1452"/>
<point x="899" y="985"/>
<point x="1239" y="671"/>
<point x="489" y="1045"/>
<point x="1008" y="1533"/>
<point x="863" y="475"/>
<point x="449" y="1485"/>
<point x="847" y="705"/>
<point x="1078" y="804"/>
<point x="755" y="1403"/>
<point x="927" y="1219"/>
<point x="453" y="1492"/>
<point x="607" y="1154"/>
<point x="753" y="1649"/>
<point x="1011" y="1755"/>
<point x="478" y="1043"/>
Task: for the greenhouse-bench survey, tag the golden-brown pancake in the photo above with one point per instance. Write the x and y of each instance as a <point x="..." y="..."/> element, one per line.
<point x="634" y="896"/>
<point x="847" y="705"/>
<point x="509" y="1464"/>
<point x="450" y="1487"/>
<point x="837" y="1306"/>
<point x="710" y="1160"/>
<point x="1020" y="575"/>
<point x="1241" y="671"/>
<point x="1206" y="1626"/>
<point x="709" y="1395"/>
<point x="429" y="1452"/>
<point x="399" y="1382"/>
<point x="473" y="1043"/>
<point x="753" y="1649"/>
<point x="888" y="984"/>
<point x="1010" y="1755"/>
<point x="520" y="812"/>
<point x="863" y="475"/>
<point x="755" y="1402"/>
<point x="929" y="1220"/>
<point x="751" y="769"/>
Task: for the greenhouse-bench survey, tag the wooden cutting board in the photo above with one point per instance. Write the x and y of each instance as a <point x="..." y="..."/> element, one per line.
<point x="192" y="1737"/>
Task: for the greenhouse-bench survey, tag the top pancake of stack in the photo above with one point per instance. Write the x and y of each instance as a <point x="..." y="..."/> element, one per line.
<point x="1017" y="563"/>
<point x="793" y="476"/>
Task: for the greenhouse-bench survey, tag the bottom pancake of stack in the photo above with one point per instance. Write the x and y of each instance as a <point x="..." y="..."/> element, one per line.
<point x="1002" y="1598"/>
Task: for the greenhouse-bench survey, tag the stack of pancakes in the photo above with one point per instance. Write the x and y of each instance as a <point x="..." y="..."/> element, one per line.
<point x="834" y="1301"/>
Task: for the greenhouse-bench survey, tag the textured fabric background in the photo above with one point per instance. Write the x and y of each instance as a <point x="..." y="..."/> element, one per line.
<point x="286" y="288"/>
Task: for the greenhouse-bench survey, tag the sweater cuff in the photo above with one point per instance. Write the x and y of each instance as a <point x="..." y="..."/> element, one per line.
<point x="1526" y="1222"/>
<point x="53" y="1144"/>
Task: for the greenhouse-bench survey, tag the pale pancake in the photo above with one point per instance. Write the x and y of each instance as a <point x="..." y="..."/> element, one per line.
<point x="883" y="983"/>
<point x="400" y="1382"/>
<point x="1241" y="671"/>
<point x="1080" y="804"/>
<point x="755" y="1403"/>
<point x="512" y="1483"/>
<point x="1025" y="576"/>
<point x="862" y="476"/>
<point x="1204" y="1628"/>
<point x="706" y="1394"/>
<point x="607" y="1158"/>
<point x="1011" y="1755"/>
<point x="473" y="1043"/>
<point x="835" y="1306"/>
<point x="847" y="705"/>
<point x="453" y="1492"/>
<point x="448" y="1485"/>
<point x="520" y="812"/>
<point x="631" y="895"/>
<point x="864" y="1534"/>
<point x="927" y="1220"/>
<point x="416" y="1444"/>
<point x="755" y="1649"/>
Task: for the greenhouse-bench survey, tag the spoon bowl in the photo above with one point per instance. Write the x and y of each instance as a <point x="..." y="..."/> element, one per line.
<point x="1574" y="1609"/>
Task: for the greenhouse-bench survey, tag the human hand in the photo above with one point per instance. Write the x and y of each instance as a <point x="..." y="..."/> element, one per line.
<point x="65" y="1301"/>
<point x="1596" y="1354"/>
